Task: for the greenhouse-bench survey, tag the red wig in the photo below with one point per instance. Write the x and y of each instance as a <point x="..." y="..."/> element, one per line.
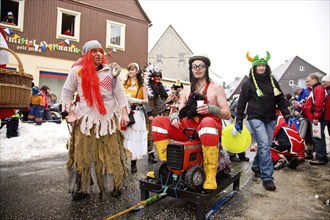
<point x="90" y="82"/>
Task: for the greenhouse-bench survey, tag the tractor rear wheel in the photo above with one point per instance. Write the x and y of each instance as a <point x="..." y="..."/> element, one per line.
<point x="195" y="177"/>
<point x="162" y="173"/>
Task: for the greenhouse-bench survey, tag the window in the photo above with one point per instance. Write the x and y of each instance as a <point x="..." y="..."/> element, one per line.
<point x="68" y="24"/>
<point x="12" y="14"/>
<point x="159" y="58"/>
<point x="301" y="68"/>
<point x="115" y="35"/>
<point x="182" y="61"/>
<point x="54" y="80"/>
<point x="291" y="82"/>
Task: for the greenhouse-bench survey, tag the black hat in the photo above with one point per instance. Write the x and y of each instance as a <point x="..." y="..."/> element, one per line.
<point x="202" y="57"/>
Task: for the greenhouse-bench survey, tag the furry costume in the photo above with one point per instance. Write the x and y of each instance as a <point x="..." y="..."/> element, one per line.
<point x="97" y="158"/>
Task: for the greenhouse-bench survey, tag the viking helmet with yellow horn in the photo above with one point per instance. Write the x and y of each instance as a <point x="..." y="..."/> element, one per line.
<point x="256" y="61"/>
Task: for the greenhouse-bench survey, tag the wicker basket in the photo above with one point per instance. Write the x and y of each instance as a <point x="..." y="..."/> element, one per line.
<point x="15" y="86"/>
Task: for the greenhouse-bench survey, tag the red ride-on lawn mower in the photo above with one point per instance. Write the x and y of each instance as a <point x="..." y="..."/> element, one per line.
<point x="184" y="163"/>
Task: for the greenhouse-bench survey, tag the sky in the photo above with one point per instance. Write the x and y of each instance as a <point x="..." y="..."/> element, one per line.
<point x="34" y="142"/>
<point x="227" y="30"/>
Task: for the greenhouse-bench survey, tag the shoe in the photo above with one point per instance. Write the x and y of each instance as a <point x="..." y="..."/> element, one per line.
<point x="318" y="162"/>
<point x="281" y="163"/>
<point x="269" y="185"/>
<point x="257" y="173"/>
<point x="243" y="158"/>
<point x="116" y="193"/>
<point x="151" y="158"/>
<point x="293" y="163"/>
<point x="309" y="157"/>
<point x="133" y="166"/>
<point x="77" y="196"/>
<point x="234" y="159"/>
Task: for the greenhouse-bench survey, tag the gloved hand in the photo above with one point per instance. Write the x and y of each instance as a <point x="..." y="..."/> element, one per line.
<point x="239" y="126"/>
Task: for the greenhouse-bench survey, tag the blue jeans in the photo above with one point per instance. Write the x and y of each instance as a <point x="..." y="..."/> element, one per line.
<point x="263" y="132"/>
<point x="319" y="144"/>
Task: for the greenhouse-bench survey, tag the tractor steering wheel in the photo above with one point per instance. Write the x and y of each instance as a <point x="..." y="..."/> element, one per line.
<point x="190" y="133"/>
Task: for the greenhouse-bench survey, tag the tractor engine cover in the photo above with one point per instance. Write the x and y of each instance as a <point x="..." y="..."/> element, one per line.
<point x="183" y="155"/>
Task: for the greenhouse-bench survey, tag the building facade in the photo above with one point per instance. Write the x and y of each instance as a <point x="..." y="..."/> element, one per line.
<point x="48" y="35"/>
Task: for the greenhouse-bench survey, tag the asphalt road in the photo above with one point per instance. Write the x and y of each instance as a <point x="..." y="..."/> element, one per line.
<point x="38" y="190"/>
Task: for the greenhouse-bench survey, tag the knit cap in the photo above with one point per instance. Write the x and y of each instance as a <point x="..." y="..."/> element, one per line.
<point x="326" y="78"/>
<point x="258" y="61"/>
<point x="35" y="90"/>
<point x="93" y="44"/>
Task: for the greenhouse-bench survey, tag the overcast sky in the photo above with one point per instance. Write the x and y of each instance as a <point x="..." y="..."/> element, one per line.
<point x="226" y="30"/>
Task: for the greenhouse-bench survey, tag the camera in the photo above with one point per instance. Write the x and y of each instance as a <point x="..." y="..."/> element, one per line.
<point x="176" y="92"/>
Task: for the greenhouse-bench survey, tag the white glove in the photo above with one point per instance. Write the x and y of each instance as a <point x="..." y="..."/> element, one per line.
<point x="134" y="101"/>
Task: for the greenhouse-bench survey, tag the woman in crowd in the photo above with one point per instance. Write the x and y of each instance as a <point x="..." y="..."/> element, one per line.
<point x="136" y="134"/>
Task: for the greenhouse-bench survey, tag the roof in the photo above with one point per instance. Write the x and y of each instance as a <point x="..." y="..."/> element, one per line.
<point x="231" y="87"/>
<point x="171" y="55"/>
<point x="280" y="70"/>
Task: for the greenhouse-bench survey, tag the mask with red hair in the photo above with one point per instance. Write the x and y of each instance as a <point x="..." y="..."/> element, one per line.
<point x="89" y="79"/>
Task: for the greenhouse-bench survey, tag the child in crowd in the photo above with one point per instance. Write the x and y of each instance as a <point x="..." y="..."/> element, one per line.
<point x="288" y="147"/>
<point x="37" y="106"/>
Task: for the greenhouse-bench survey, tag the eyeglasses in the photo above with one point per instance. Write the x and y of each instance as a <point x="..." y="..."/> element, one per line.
<point x="200" y="66"/>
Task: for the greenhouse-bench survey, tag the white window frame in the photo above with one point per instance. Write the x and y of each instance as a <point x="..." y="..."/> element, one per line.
<point x="19" y="26"/>
<point x="122" y="27"/>
<point x="301" y="68"/>
<point x="59" y="35"/>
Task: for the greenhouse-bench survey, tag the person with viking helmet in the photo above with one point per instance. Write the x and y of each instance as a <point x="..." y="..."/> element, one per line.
<point x="262" y="95"/>
<point x="205" y="118"/>
<point x="97" y="159"/>
<point x="156" y="105"/>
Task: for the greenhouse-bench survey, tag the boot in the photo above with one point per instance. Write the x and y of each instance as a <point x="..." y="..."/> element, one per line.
<point x="151" y="158"/>
<point x="243" y="157"/>
<point x="210" y="155"/>
<point x="161" y="147"/>
<point x="133" y="166"/>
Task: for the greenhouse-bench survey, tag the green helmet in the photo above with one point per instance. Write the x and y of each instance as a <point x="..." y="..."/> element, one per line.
<point x="256" y="61"/>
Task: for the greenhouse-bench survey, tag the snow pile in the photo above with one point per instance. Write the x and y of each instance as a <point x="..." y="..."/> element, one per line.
<point x="34" y="142"/>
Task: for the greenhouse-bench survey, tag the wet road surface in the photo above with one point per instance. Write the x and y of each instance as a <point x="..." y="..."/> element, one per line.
<point x="38" y="190"/>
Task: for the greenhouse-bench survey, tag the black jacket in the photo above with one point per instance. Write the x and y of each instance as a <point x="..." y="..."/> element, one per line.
<point x="262" y="108"/>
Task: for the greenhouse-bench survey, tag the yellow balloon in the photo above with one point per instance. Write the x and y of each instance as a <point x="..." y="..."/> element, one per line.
<point x="238" y="143"/>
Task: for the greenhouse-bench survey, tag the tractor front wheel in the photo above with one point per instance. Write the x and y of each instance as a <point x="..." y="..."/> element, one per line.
<point x="195" y="177"/>
<point x="162" y="173"/>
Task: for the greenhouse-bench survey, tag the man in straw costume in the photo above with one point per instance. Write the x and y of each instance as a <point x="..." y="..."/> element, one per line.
<point x="97" y="160"/>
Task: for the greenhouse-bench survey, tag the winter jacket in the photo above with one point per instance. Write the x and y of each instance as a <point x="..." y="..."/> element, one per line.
<point x="46" y="98"/>
<point x="327" y="105"/>
<point x="262" y="108"/>
<point x="37" y="100"/>
<point x="313" y="108"/>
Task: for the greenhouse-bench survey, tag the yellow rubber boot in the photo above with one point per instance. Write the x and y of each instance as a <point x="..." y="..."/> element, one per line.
<point x="211" y="155"/>
<point x="161" y="147"/>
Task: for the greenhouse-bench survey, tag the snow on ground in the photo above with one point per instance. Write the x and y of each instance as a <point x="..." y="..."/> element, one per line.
<point x="34" y="142"/>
